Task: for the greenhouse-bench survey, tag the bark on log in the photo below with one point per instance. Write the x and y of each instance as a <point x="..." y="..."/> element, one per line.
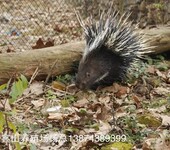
<point x="26" y="62"/>
<point x="64" y="56"/>
<point x="160" y="38"/>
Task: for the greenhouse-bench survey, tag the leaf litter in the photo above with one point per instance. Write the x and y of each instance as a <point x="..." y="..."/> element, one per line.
<point x="134" y="115"/>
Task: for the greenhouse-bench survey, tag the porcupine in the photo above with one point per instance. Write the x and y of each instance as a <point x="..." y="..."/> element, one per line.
<point x="112" y="47"/>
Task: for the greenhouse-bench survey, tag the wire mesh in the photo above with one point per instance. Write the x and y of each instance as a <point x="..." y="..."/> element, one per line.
<point x="23" y="22"/>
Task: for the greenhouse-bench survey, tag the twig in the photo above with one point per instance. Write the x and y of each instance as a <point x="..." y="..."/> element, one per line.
<point x="20" y="99"/>
<point x="34" y="75"/>
<point x="7" y="93"/>
<point x="64" y="92"/>
<point x="49" y="74"/>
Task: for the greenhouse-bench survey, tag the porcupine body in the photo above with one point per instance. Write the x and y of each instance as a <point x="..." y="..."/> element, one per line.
<point x="112" y="46"/>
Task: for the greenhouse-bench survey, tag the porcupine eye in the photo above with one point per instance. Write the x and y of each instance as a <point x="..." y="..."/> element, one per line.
<point x="87" y="74"/>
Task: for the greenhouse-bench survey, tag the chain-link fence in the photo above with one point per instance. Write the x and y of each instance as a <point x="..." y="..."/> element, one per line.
<point x="23" y="23"/>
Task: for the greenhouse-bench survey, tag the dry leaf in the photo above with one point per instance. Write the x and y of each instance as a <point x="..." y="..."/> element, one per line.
<point x="114" y="88"/>
<point x="104" y="128"/>
<point x="54" y="109"/>
<point x="49" y="43"/>
<point x="122" y="92"/>
<point x="59" y="85"/>
<point x="7" y="105"/>
<point x="81" y="103"/>
<point x="39" y="44"/>
<point x="156" y="144"/>
<point x="57" y="116"/>
<point x="151" y="70"/>
<point x="38" y="103"/>
<point x="137" y="100"/>
<point x="105" y="114"/>
<point x="73" y="117"/>
<point x="118" y="90"/>
<point x="58" y="28"/>
<point x="161" y="91"/>
<point x="165" y="120"/>
<point x="158" y="109"/>
<point x="168" y="76"/>
<point x="71" y="88"/>
<point x="104" y="100"/>
<point x="35" y="88"/>
<point x="160" y="74"/>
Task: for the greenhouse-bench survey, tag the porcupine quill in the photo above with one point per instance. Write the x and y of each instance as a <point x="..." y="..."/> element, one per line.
<point x="112" y="47"/>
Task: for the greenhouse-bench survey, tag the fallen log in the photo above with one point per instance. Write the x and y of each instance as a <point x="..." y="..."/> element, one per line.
<point x="62" y="57"/>
<point x="160" y="38"/>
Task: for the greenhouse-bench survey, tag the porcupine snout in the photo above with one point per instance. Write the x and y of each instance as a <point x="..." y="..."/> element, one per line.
<point x="80" y="84"/>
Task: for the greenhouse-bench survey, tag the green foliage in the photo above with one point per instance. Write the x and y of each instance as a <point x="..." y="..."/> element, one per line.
<point x="17" y="146"/>
<point x="11" y="93"/>
<point x="95" y="126"/>
<point x="162" y="66"/>
<point x="159" y="58"/>
<point x="70" y="98"/>
<point x="65" y="103"/>
<point x="131" y="109"/>
<point x="22" y="127"/>
<point x="159" y="62"/>
<point x="138" y="70"/>
<point x="2" y="122"/>
<point x="118" y="146"/>
<point x="158" y="5"/>
<point x="50" y="95"/>
<point x="70" y="130"/>
<point x="83" y="111"/>
<point x="33" y="147"/>
<point x="64" y="78"/>
<point x="158" y="103"/>
<point x="3" y="87"/>
<point x="168" y="105"/>
<point x="132" y="128"/>
<point x="149" y="120"/>
<point x="12" y="126"/>
<point x="18" y="88"/>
